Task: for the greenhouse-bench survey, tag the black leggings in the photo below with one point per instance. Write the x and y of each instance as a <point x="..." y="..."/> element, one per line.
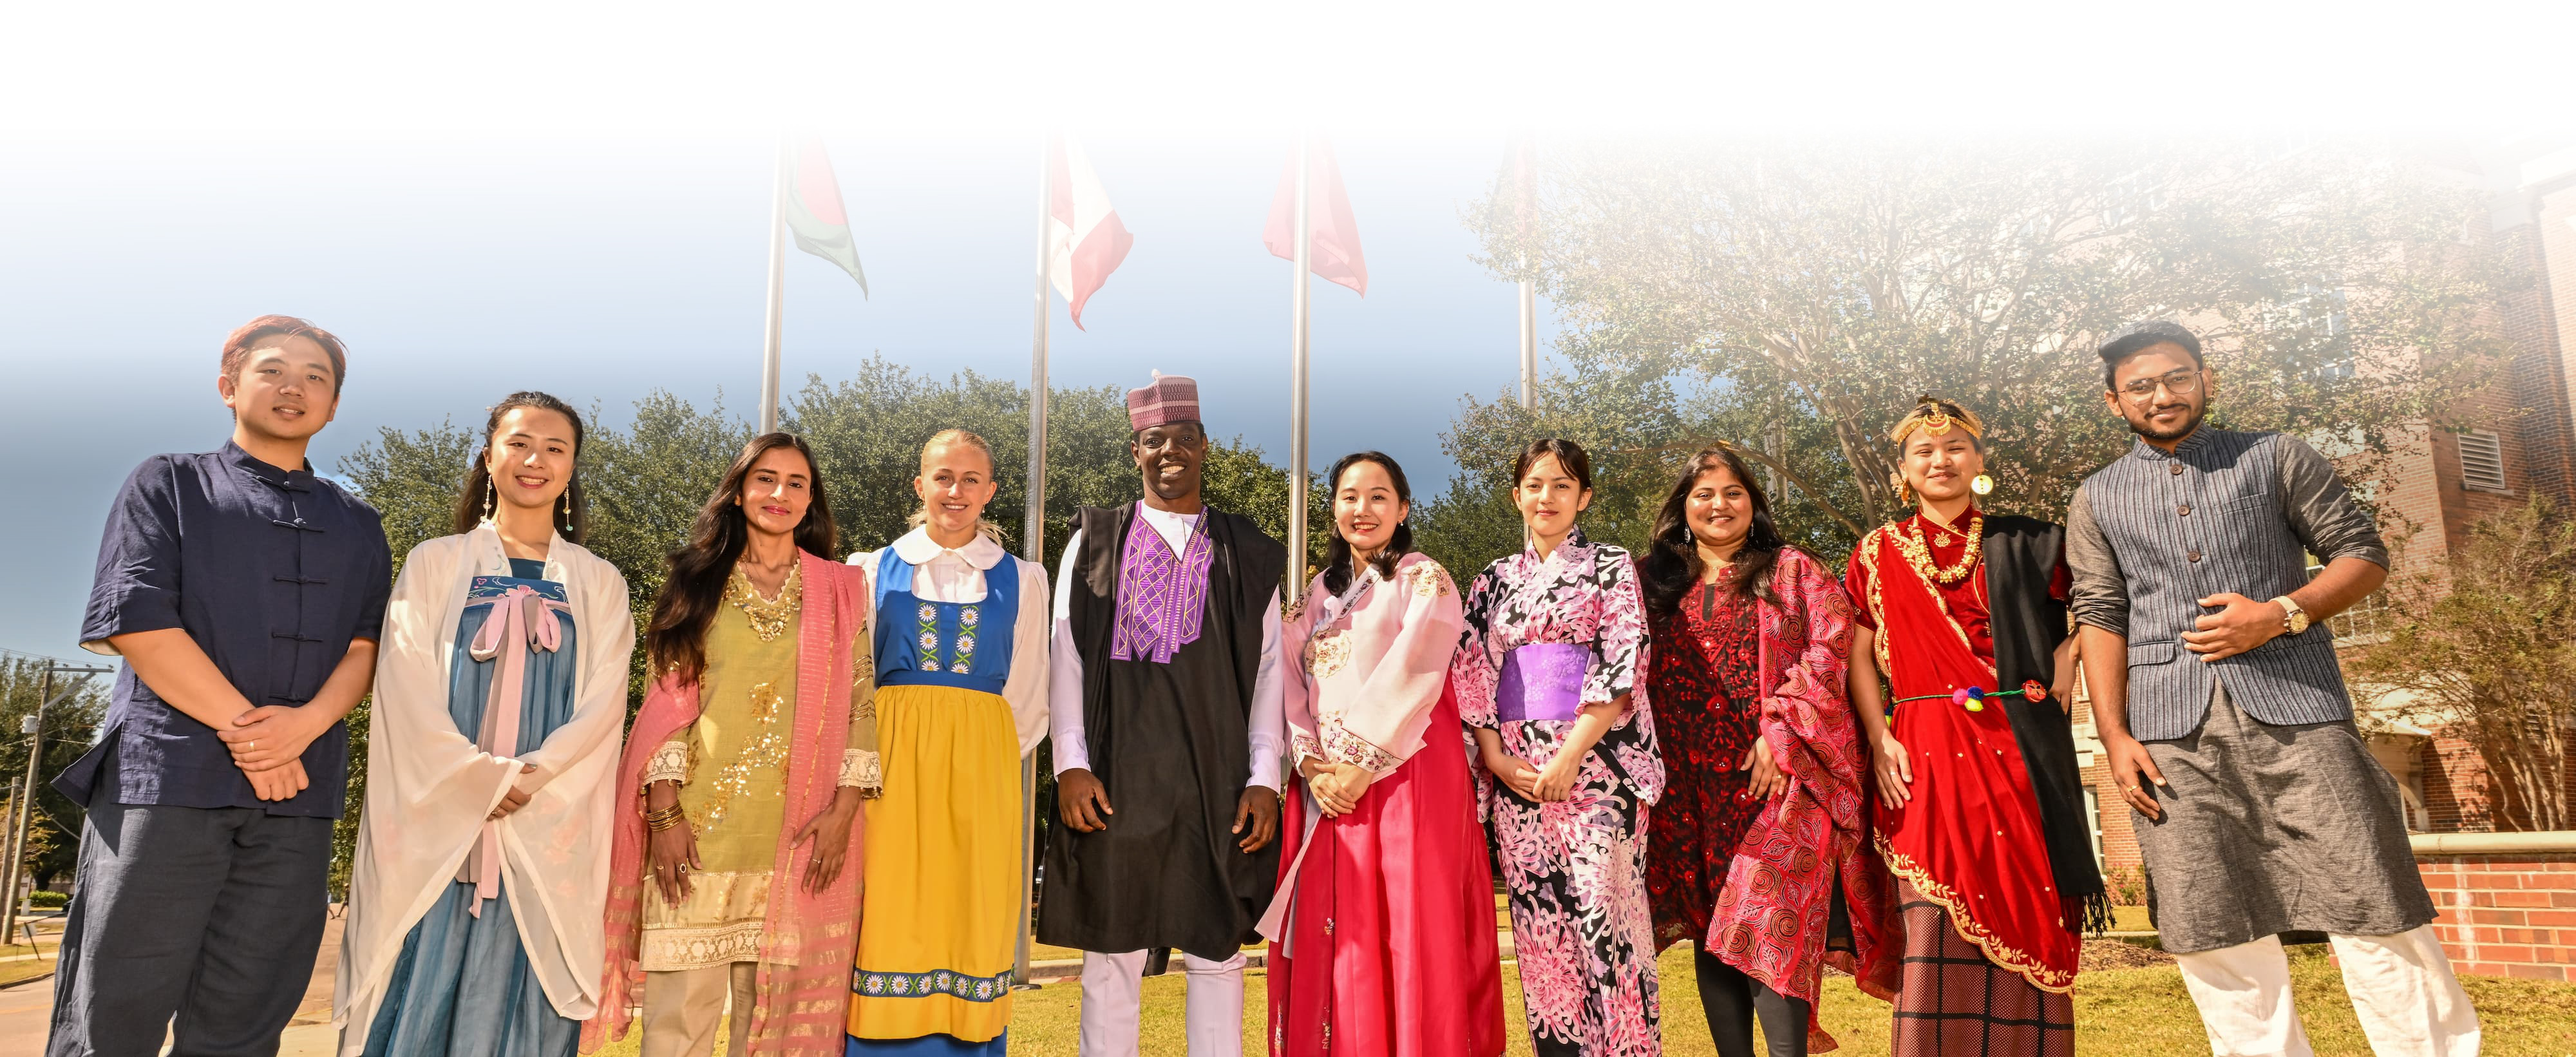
<point x="1732" y="1000"/>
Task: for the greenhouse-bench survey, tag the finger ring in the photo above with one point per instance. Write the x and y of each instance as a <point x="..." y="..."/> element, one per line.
<point x="251" y="744"/>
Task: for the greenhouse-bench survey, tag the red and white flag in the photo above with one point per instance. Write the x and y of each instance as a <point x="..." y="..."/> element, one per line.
<point x="1088" y="240"/>
<point x="1334" y="245"/>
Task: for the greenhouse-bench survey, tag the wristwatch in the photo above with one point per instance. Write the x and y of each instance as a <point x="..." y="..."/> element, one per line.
<point x="2292" y="617"/>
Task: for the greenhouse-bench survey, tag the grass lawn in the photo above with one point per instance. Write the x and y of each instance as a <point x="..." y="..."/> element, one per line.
<point x="2118" y="1013"/>
<point x="12" y="972"/>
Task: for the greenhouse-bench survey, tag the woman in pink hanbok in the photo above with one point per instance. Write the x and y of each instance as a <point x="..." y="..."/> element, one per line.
<point x="1548" y="680"/>
<point x="1383" y="929"/>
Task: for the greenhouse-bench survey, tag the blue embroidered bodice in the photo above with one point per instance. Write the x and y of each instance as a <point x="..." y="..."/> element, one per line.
<point x="924" y="643"/>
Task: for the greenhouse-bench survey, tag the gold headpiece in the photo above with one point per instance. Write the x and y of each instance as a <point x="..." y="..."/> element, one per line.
<point x="1936" y="416"/>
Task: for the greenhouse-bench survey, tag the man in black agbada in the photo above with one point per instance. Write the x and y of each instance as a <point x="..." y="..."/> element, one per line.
<point x="1164" y="701"/>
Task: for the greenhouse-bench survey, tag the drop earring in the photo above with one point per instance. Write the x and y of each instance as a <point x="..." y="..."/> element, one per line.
<point x="1981" y="484"/>
<point x="567" y="510"/>
<point x="489" y="487"/>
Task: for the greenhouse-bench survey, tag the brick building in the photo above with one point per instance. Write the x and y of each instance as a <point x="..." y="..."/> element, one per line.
<point x="2519" y="442"/>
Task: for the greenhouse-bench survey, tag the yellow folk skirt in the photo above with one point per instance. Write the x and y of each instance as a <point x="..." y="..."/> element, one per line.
<point x="940" y="916"/>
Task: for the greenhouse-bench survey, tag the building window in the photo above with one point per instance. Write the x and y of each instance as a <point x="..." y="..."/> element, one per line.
<point x="2315" y="323"/>
<point x="2481" y="461"/>
<point x="2366" y="622"/>
<point x="2093" y="821"/>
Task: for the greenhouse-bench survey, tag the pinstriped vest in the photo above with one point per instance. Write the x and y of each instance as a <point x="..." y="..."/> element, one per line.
<point x="2207" y="519"/>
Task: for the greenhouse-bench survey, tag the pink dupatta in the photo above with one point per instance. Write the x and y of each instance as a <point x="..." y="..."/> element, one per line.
<point x="809" y="939"/>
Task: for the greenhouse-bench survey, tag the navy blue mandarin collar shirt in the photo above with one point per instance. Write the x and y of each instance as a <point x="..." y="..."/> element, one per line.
<point x="273" y="572"/>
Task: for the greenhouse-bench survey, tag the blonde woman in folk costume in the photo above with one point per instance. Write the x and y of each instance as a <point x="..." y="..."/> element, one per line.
<point x="960" y="639"/>
<point x="1981" y="810"/>
<point x="734" y="881"/>
<point x="473" y="926"/>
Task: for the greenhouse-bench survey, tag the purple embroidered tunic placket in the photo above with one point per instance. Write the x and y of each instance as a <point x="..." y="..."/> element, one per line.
<point x="1162" y="596"/>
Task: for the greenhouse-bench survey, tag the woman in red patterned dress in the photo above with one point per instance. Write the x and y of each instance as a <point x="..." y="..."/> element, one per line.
<point x="1981" y="811"/>
<point x="1764" y="822"/>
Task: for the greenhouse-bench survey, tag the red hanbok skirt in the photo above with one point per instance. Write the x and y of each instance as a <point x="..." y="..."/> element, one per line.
<point x="1393" y="923"/>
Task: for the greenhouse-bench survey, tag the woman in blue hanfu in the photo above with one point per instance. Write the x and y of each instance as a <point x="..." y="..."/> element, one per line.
<point x="474" y="925"/>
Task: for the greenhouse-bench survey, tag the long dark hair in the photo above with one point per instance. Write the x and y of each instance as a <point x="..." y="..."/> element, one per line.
<point x="1337" y="553"/>
<point x="675" y="642"/>
<point x="574" y="526"/>
<point x="1672" y="565"/>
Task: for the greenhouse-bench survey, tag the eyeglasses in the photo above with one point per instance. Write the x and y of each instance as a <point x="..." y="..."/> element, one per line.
<point x="2181" y="381"/>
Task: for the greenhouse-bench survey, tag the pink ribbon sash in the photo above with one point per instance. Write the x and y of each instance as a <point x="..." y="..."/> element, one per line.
<point x="520" y="620"/>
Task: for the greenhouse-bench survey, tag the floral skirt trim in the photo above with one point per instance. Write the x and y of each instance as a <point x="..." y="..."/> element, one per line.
<point x="948" y="982"/>
<point x="2030" y="968"/>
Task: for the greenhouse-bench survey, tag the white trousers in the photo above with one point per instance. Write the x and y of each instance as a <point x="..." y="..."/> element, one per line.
<point x="1113" y="997"/>
<point x="2401" y="987"/>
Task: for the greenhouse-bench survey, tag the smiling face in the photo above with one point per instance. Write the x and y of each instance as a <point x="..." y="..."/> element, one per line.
<point x="1719" y="510"/>
<point x="1171" y="457"/>
<point x="531" y="457"/>
<point x="776" y="492"/>
<point x="1365" y="507"/>
<point x="1549" y="498"/>
<point x="286" y="389"/>
<point x="956" y="482"/>
<point x="2161" y="391"/>
<point x="1938" y="466"/>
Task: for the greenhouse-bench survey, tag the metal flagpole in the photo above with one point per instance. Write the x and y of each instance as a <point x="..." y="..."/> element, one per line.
<point x="1527" y="171"/>
<point x="1033" y="535"/>
<point x="777" y="280"/>
<point x="1297" y="336"/>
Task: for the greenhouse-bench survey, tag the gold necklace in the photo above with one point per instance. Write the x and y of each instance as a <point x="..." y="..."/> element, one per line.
<point x="1918" y="553"/>
<point x="769" y="616"/>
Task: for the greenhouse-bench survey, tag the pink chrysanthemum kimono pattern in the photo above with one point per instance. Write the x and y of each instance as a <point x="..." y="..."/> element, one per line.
<point x="1574" y="870"/>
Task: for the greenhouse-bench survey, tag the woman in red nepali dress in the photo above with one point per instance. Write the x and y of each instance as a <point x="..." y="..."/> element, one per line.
<point x="1383" y="929"/>
<point x="1981" y="810"/>
<point x="1764" y="822"/>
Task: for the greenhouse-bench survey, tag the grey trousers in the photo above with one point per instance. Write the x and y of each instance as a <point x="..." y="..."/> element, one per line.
<point x="211" y="916"/>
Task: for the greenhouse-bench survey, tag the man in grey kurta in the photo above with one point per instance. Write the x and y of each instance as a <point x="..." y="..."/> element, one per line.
<point x="2221" y="705"/>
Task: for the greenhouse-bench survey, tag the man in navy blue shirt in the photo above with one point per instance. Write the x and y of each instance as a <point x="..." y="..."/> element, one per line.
<point x="246" y="596"/>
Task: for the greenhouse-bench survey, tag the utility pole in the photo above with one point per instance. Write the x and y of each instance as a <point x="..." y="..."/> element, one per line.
<point x="33" y="726"/>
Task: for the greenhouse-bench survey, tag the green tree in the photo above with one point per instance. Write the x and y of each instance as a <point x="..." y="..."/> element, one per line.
<point x="2481" y="641"/>
<point x="53" y="829"/>
<point x="1798" y="296"/>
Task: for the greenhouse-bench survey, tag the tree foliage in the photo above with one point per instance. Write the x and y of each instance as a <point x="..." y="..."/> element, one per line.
<point x="53" y="830"/>
<point x="1795" y="297"/>
<point x="2481" y="641"/>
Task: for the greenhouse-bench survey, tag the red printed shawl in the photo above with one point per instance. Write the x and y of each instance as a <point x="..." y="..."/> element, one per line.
<point x="1770" y="917"/>
<point x="809" y="939"/>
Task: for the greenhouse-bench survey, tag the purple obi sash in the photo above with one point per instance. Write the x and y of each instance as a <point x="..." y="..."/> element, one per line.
<point x="1543" y="680"/>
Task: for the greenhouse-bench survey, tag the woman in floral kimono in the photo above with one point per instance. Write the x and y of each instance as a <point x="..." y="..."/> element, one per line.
<point x="1764" y="824"/>
<point x="1383" y="929"/>
<point x="741" y="782"/>
<point x="473" y="926"/>
<point x="1981" y="810"/>
<point x="1547" y="682"/>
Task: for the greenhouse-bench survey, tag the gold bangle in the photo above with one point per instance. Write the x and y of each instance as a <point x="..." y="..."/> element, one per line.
<point x="658" y="825"/>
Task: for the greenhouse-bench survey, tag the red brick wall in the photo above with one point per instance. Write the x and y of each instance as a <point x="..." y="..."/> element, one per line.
<point x="2507" y="914"/>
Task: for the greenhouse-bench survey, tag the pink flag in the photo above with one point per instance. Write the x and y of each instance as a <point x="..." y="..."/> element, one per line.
<point x="1088" y="240"/>
<point x="1334" y="242"/>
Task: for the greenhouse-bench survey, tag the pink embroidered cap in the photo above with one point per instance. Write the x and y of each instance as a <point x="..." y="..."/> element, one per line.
<point x="1167" y="399"/>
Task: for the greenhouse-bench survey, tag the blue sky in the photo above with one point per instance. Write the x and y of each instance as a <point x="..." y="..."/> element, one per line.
<point x="459" y="268"/>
